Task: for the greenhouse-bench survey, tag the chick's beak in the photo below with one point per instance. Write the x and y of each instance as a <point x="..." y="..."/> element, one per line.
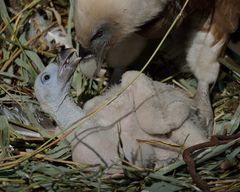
<point x="64" y="55"/>
<point x="67" y="61"/>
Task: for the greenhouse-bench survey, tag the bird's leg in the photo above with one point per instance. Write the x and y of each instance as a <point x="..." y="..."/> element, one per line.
<point x="202" y="56"/>
<point x="205" y="113"/>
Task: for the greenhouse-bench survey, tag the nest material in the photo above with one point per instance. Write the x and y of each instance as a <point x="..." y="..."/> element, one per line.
<point x="38" y="164"/>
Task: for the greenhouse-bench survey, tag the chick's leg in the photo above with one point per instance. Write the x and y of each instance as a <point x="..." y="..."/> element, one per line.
<point x="202" y="58"/>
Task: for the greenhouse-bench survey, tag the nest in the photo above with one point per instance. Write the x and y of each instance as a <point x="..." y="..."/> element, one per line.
<point x="33" y="160"/>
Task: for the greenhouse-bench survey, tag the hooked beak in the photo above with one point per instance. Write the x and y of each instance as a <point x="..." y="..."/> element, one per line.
<point x="100" y="58"/>
<point x="92" y="62"/>
<point x="67" y="61"/>
<point x="99" y="45"/>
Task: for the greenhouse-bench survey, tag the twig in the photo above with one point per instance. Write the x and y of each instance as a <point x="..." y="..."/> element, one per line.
<point x="215" y="140"/>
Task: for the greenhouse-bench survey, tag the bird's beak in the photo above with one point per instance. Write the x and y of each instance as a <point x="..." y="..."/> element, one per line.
<point x="67" y="61"/>
<point x="100" y="58"/>
<point x="92" y="62"/>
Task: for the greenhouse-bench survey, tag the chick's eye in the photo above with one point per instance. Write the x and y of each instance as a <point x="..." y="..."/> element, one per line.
<point x="45" y="78"/>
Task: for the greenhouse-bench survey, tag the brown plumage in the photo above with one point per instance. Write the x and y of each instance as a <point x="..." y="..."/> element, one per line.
<point x="158" y="26"/>
<point x="101" y="25"/>
<point x="226" y="18"/>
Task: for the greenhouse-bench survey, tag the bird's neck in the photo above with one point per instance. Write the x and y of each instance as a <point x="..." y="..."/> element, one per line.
<point x="68" y="113"/>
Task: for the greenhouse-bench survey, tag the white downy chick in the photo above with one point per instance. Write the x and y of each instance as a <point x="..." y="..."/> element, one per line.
<point x="146" y="111"/>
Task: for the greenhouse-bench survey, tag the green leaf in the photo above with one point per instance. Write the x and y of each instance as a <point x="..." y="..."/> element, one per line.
<point x="4" y="136"/>
<point x="33" y="56"/>
<point x="163" y="186"/>
<point x="3" y="11"/>
<point x="62" y="151"/>
<point x="235" y="122"/>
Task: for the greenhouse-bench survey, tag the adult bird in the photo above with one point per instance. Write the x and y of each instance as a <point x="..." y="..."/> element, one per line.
<point x="206" y="24"/>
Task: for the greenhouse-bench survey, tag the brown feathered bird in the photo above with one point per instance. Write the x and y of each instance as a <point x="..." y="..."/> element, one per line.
<point x="101" y="25"/>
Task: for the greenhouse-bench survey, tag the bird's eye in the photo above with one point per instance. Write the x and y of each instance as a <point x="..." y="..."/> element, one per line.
<point x="45" y="77"/>
<point x="97" y="35"/>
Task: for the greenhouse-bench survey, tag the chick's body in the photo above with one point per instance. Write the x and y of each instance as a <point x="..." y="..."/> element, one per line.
<point x="146" y="111"/>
